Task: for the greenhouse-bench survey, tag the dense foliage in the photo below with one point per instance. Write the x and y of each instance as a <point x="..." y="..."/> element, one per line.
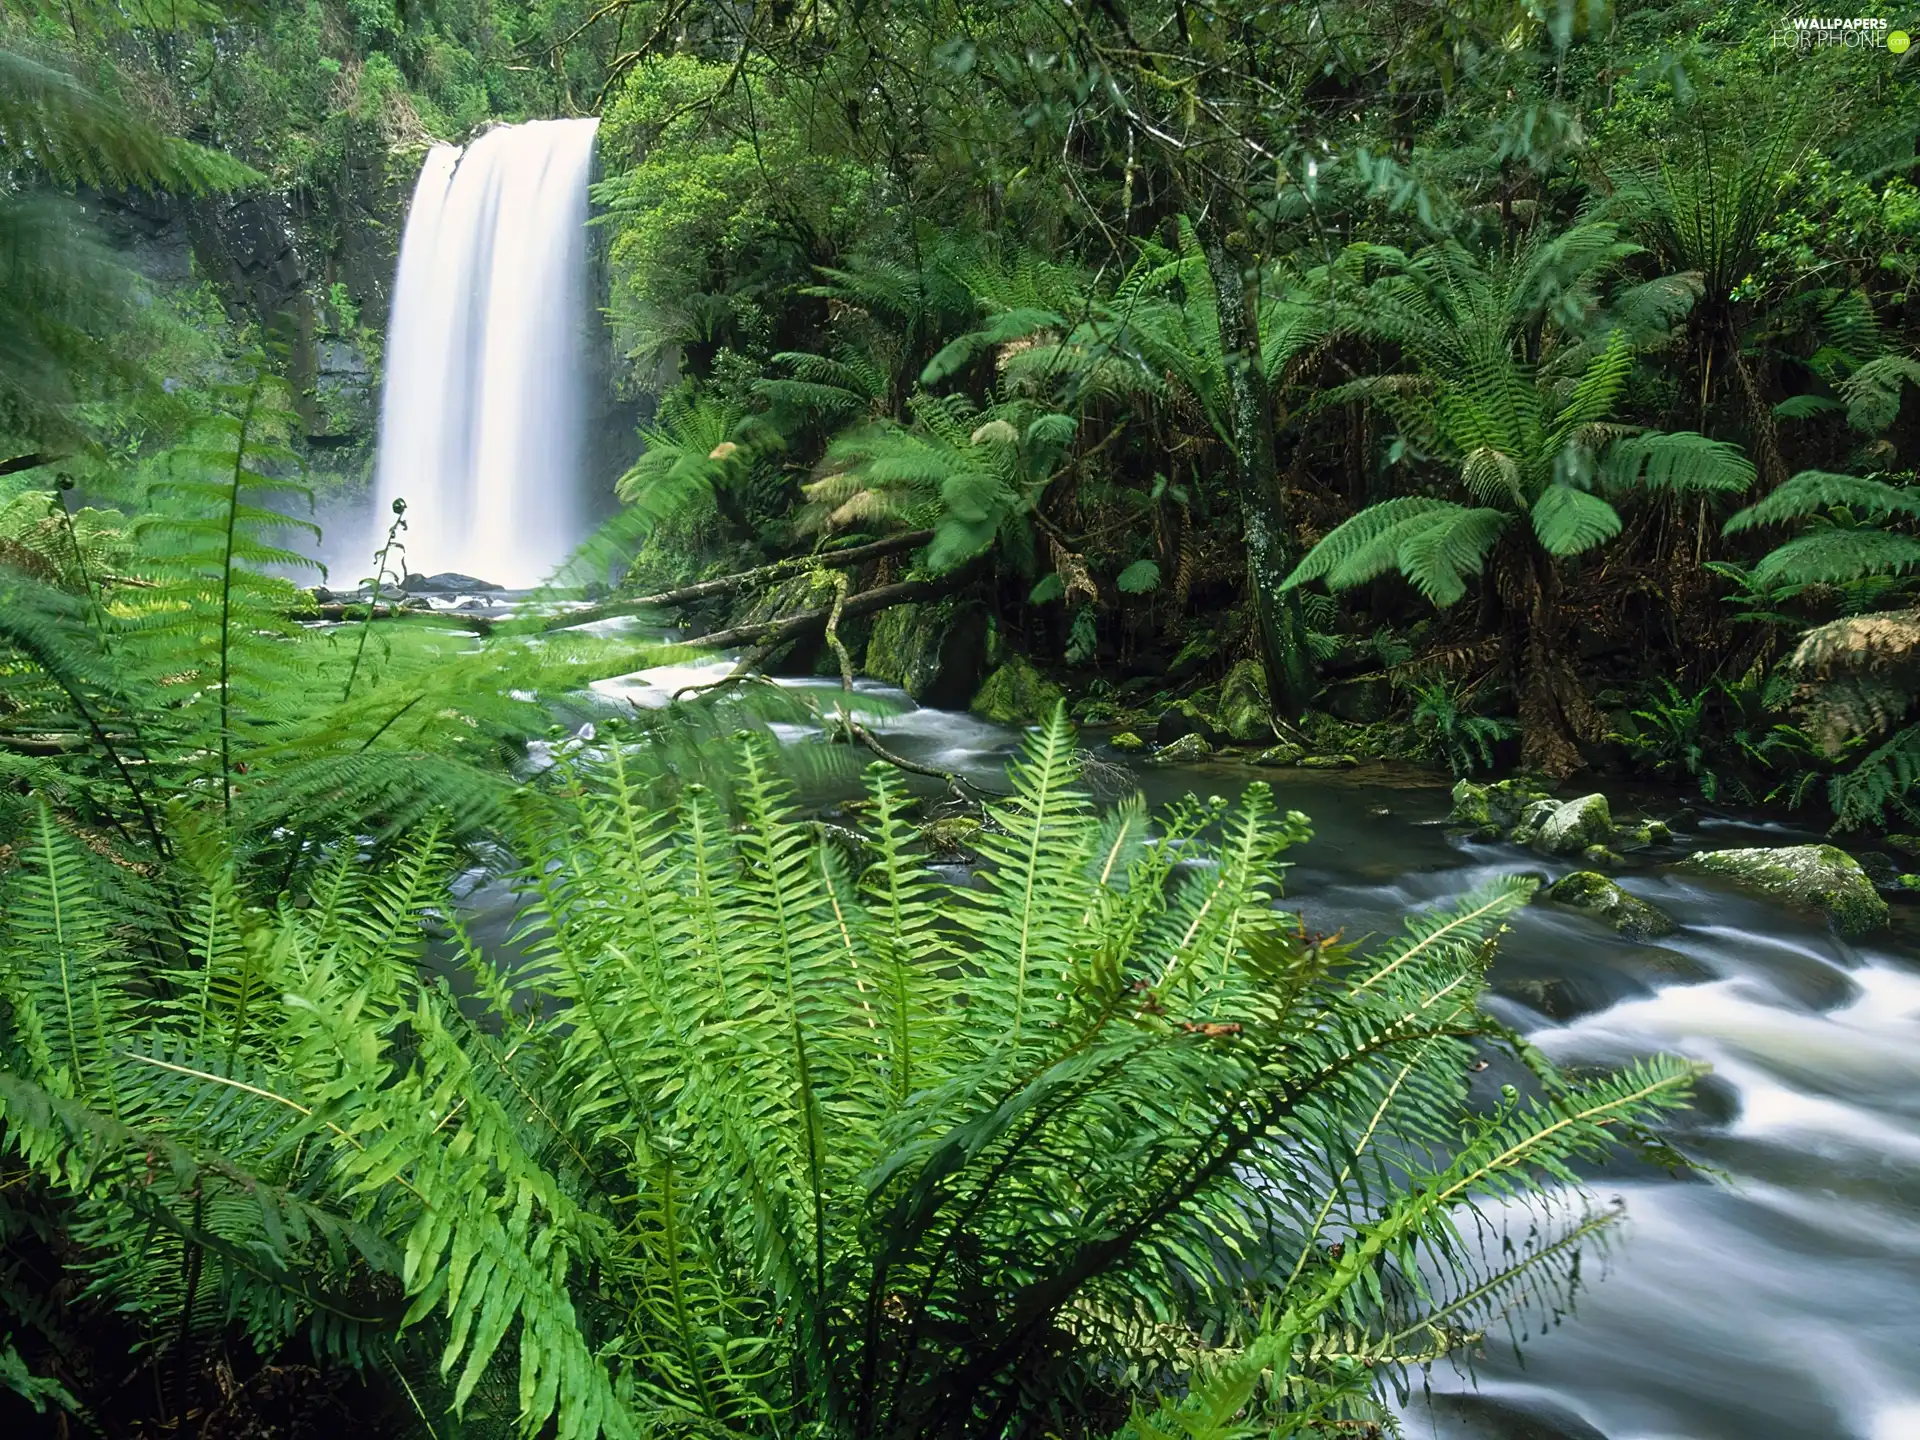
<point x="1476" y="383"/>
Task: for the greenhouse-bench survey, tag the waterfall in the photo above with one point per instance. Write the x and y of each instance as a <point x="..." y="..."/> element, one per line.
<point x="482" y="411"/>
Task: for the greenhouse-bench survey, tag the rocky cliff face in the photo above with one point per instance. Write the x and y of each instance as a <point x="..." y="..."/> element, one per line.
<point x="275" y="268"/>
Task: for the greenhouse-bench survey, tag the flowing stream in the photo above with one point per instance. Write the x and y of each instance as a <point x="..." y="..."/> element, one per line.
<point x="483" y="406"/>
<point x="1780" y="1301"/>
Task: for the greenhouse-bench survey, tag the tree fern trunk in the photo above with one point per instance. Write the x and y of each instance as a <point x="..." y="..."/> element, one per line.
<point x="1283" y="652"/>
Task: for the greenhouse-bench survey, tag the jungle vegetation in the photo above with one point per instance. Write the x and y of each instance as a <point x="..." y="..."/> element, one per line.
<point x="1484" y="383"/>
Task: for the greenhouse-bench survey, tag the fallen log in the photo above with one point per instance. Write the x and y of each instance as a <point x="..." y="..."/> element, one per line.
<point x="788" y="628"/>
<point x="744" y="580"/>
<point x="354" y="614"/>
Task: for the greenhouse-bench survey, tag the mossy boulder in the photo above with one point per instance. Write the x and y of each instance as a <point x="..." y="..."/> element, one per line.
<point x="1244" y="713"/>
<point x="1500" y="805"/>
<point x="1016" y="694"/>
<point x="936" y="653"/>
<point x="1328" y="762"/>
<point x="1647" y="832"/>
<point x="1187" y="747"/>
<point x="952" y="838"/>
<point x="1127" y="743"/>
<point x="1822" y="877"/>
<point x="1575" y="825"/>
<point x="1184" y="718"/>
<point x="1277" y="755"/>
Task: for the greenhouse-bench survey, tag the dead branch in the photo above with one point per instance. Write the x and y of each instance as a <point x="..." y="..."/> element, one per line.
<point x="744" y="580"/>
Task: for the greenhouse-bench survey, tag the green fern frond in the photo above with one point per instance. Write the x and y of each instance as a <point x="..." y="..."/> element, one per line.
<point x="1872" y="393"/>
<point x="1814" y="492"/>
<point x="1836" y="556"/>
<point x="1568" y="521"/>
<point x="1679" y="462"/>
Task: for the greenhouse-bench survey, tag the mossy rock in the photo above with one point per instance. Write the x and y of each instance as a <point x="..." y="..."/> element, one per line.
<point x="1328" y="762"/>
<point x="1183" y="718"/>
<point x="1501" y="804"/>
<point x="1472" y="806"/>
<point x="1244" y="713"/>
<point x="936" y="653"/>
<point x="1602" y="855"/>
<point x="1187" y="747"/>
<point x="1822" y="877"/>
<point x="952" y="838"/>
<point x="1574" y="826"/>
<point x="1647" y="832"/>
<point x="1127" y="743"/>
<point x="1016" y="694"/>
<point x="1908" y="845"/>
<point x="1277" y="755"/>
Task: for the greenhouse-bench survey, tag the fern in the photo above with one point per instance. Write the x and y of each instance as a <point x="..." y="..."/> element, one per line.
<point x="756" y="1138"/>
<point x="1813" y="492"/>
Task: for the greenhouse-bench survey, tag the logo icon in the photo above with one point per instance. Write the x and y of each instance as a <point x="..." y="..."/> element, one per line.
<point x="1898" y="41"/>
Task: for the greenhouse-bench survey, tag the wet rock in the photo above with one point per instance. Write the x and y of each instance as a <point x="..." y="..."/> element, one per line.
<point x="1277" y="755"/>
<point x="1567" y="997"/>
<point x="1596" y="895"/>
<point x="1532" y="816"/>
<point x="1638" y="837"/>
<point x="447" y="582"/>
<point x="851" y="844"/>
<point x="1016" y="694"/>
<point x="1127" y="743"/>
<point x="951" y="839"/>
<point x="1472" y="805"/>
<point x="1244" y="713"/>
<point x="936" y="653"/>
<point x="1602" y="857"/>
<point x="1477" y="1416"/>
<point x="1328" y="762"/>
<point x="1500" y="805"/>
<point x="1819" y="876"/>
<point x="1908" y="845"/>
<point x="1186" y="718"/>
<point x="1572" y="827"/>
<point x="1187" y="747"/>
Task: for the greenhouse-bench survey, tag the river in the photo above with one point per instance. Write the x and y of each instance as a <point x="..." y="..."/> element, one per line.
<point x="1777" y="1298"/>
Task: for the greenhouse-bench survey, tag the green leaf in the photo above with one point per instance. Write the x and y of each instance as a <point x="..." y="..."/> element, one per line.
<point x="1139" y="577"/>
<point x="1569" y="521"/>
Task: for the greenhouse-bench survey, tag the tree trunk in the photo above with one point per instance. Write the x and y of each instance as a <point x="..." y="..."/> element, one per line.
<point x="1555" y="713"/>
<point x="1283" y="650"/>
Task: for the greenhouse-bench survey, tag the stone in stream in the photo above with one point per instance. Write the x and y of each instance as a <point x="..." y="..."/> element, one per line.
<point x="936" y="652"/>
<point x="1187" y="747"/>
<point x="1244" y="712"/>
<point x="1475" y="1416"/>
<point x="1601" y="898"/>
<point x="1016" y="694"/>
<point x="951" y="839"/>
<point x="1574" y="826"/>
<point x="1492" y="808"/>
<point x="1127" y="743"/>
<point x="1184" y="718"/>
<point x="1277" y="755"/>
<point x="1821" y="877"/>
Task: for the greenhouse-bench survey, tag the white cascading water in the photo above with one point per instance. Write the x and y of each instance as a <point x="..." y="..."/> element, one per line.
<point x="482" y="411"/>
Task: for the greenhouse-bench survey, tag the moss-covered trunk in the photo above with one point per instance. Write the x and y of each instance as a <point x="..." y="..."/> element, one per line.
<point x="1283" y="650"/>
